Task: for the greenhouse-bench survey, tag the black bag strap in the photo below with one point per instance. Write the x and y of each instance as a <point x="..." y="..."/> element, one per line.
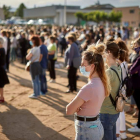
<point x="112" y="100"/>
<point x="110" y="96"/>
<point x="117" y="74"/>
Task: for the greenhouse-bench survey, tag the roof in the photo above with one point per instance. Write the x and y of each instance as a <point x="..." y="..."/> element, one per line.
<point x="59" y="7"/>
<point x="100" y="7"/>
<point x="127" y="7"/>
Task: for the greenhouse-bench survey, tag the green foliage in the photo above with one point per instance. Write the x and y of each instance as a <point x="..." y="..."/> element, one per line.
<point x="115" y="16"/>
<point x="79" y="15"/>
<point x="98" y="16"/>
<point x="6" y="10"/>
<point x="19" y="11"/>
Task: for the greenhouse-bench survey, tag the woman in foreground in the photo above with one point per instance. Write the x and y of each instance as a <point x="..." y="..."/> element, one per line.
<point x="86" y="105"/>
<point x="3" y="76"/>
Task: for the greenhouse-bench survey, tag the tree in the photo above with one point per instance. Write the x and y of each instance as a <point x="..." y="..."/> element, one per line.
<point x="114" y="16"/>
<point x="80" y="16"/>
<point x="20" y="9"/>
<point x="98" y="16"/>
<point x="6" y="10"/>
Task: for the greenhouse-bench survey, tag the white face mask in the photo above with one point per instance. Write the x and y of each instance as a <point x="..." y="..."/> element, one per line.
<point x="104" y="60"/>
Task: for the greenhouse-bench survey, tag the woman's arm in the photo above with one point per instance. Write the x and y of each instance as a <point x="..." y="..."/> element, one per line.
<point x="29" y="56"/>
<point x="41" y="56"/>
<point x="73" y="106"/>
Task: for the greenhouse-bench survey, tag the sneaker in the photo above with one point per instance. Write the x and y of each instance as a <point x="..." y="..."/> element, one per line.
<point x="43" y="94"/>
<point x="134" y="129"/>
<point x="52" y="81"/>
<point x="33" y="96"/>
<point x="123" y="136"/>
<point x="133" y="124"/>
<point x="118" y="138"/>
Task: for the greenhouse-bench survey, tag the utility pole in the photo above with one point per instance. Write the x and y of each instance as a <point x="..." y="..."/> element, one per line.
<point x="65" y="12"/>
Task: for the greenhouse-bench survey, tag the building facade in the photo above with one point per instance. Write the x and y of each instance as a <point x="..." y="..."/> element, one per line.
<point x="130" y="16"/>
<point x="54" y="13"/>
<point x="1" y="14"/>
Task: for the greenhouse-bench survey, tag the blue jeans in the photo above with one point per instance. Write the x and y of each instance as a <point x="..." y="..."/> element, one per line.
<point x="109" y="123"/>
<point x="43" y="82"/>
<point x="13" y="54"/>
<point x="84" y="132"/>
<point x="36" y="85"/>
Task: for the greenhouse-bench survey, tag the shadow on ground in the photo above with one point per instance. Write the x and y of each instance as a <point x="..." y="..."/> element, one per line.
<point x="25" y="126"/>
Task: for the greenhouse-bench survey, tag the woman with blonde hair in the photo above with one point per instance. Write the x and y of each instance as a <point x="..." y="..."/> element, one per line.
<point x="86" y="105"/>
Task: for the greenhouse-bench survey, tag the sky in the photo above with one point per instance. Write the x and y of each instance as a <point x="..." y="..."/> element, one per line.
<point x="82" y="3"/>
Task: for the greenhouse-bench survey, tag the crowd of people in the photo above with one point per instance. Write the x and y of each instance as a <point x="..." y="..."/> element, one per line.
<point x="102" y="55"/>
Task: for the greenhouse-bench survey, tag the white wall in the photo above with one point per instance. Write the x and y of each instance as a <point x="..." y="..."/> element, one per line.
<point x="70" y="18"/>
<point x="1" y="14"/>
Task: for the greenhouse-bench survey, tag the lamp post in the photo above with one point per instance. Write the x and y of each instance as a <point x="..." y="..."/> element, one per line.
<point x="65" y="12"/>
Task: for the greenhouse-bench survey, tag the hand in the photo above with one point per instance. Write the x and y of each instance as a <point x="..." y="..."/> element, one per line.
<point x="78" y="109"/>
<point x="68" y="67"/>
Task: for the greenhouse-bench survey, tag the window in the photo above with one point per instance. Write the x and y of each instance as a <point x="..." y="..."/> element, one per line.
<point x="133" y="22"/>
<point x="132" y="11"/>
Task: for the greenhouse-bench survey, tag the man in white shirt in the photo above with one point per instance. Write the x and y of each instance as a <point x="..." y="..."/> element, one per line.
<point x="136" y="33"/>
<point x="3" y="33"/>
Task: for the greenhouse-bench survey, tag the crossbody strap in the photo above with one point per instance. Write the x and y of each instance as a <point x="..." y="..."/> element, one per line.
<point x="116" y="74"/>
<point x="110" y="96"/>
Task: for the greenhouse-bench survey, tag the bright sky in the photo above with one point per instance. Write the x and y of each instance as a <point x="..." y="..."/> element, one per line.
<point x="82" y="3"/>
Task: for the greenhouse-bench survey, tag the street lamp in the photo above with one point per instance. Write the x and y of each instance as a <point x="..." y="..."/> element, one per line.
<point x="65" y="12"/>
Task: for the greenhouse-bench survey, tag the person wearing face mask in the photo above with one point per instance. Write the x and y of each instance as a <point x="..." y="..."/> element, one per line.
<point x="86" y="105"/>
<point x="108" y="113"/>
<point x="132" y="58"/>
<point x="135" y="72"/>
<point x="35" y="68"/>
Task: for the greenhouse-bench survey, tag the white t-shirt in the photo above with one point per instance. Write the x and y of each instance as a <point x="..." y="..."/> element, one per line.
<point x="5" y="44"/>
<point x="13" y="42"/>
<point x="124" y="67"/>
<point x="136" y="34"/>
<point x="35" y="51"/>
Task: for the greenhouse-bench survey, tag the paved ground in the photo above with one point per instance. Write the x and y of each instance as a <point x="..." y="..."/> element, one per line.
<point x="44" y="119"/>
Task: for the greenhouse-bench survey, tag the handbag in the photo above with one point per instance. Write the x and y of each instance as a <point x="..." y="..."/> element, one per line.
<point x="27" y="67"/>
<point x="120" y="99"/>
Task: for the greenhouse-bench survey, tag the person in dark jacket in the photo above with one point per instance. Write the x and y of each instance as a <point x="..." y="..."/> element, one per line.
<point x="23" y="44"/>
<point x="71" y="53"/>
<point x="43" y="63"/>
<point x="135" y="72"/>
<point x="8" y="50"/>
<point x="3" y="76"/>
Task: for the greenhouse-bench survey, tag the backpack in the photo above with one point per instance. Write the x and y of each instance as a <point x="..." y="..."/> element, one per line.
<point x="62" y="41"/>
<point x="128" y="84"/>
<point x="120" y="98"/>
